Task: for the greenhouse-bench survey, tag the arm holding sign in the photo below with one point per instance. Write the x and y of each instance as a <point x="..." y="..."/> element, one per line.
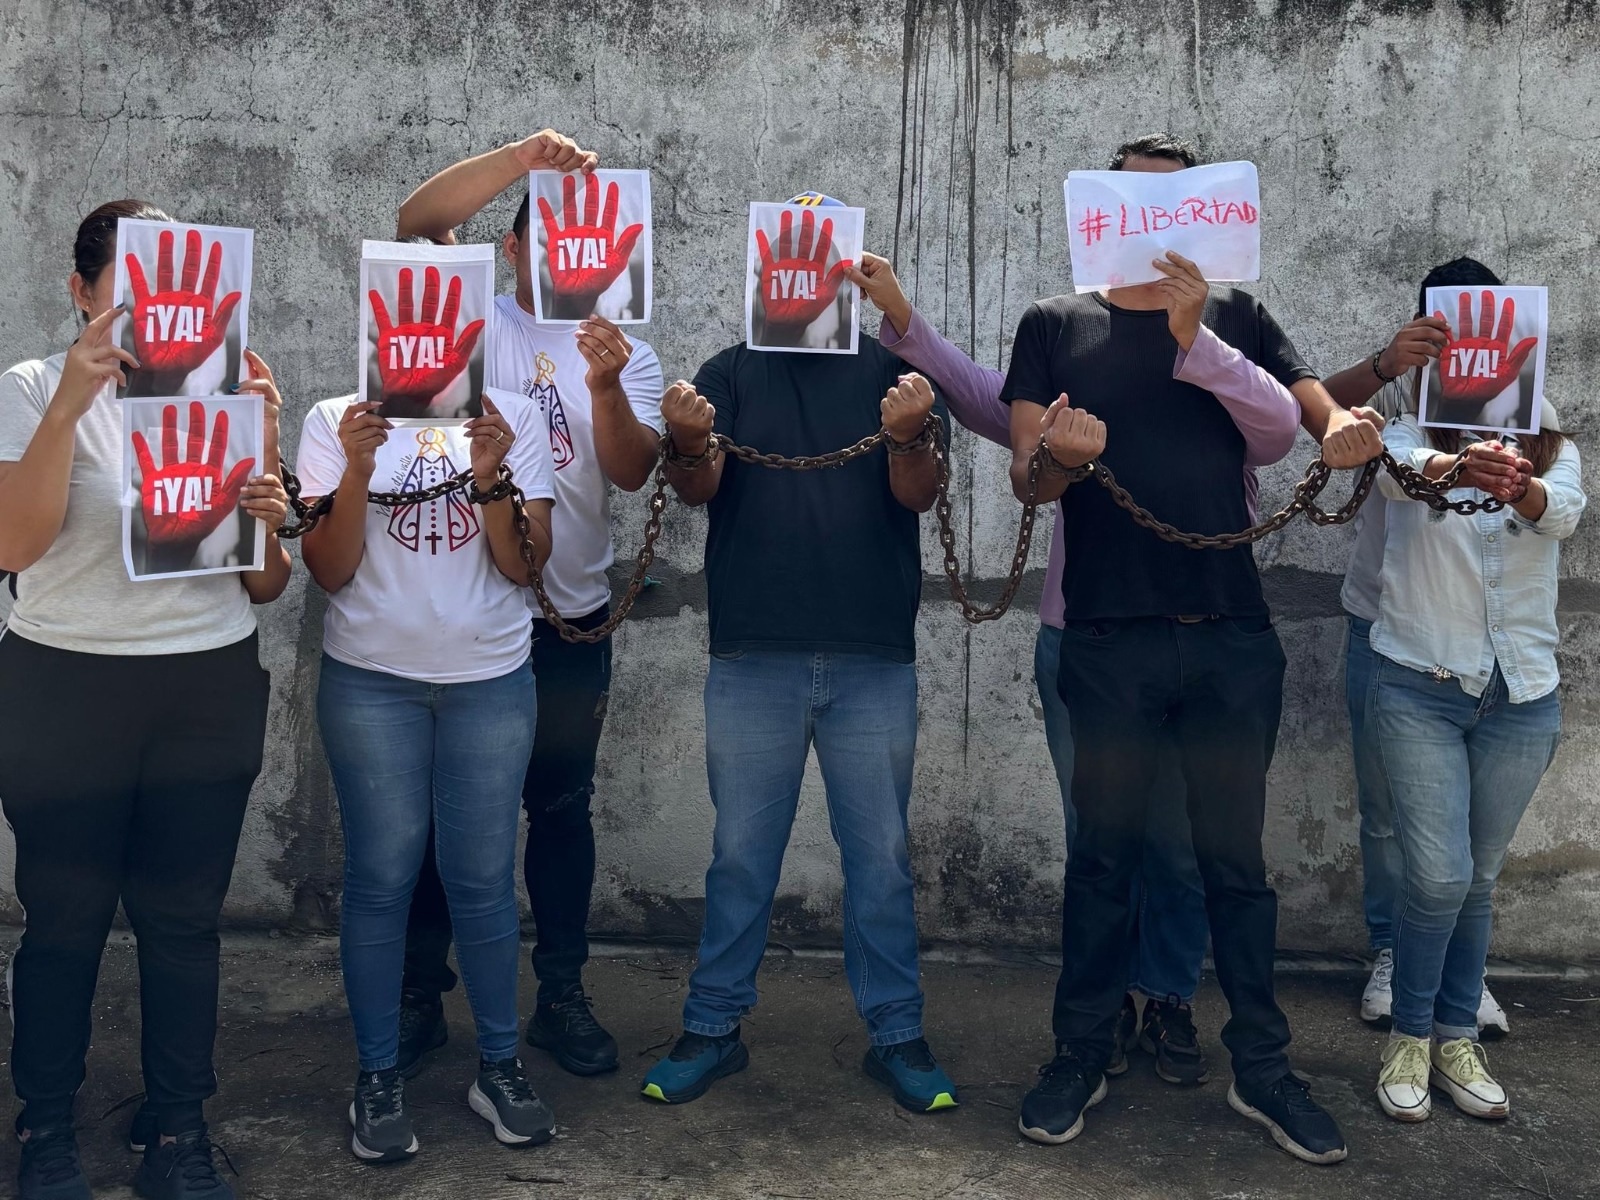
<point x="1413" y="346"/>
<point x="625" y="445"/>
<point x="264" y="496"/>
<point x="460" y="192"/>
<point x="334" y="549"/>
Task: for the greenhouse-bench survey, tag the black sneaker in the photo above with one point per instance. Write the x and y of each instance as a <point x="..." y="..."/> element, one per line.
<point x="51" y="1168"/>
<point x="568" y="1030"/>
<point x="503" y="1097"/>
<point x="1052" y="1112"/>
<point x="1296" y="1122"/>
<point x="914" y="1076"/>
<point x="142" y="1133"/>
<point x="183" y="1169"/>
<point x="1168" y="1033"/>
<point x="382" y="1130"/>
<point x="1126" y="1036"/>
<point x="422" y="1030"/>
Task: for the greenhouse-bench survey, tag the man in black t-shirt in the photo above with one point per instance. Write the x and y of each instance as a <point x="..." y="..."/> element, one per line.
<point x="1159" y="641"/>
<point x="814" y="579"/>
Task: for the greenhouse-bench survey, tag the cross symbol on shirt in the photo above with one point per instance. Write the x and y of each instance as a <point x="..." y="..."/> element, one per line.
<point x="433" y="539"/>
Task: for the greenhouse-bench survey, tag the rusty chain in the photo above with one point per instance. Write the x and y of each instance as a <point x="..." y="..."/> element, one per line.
<point x="1412" y="483"/>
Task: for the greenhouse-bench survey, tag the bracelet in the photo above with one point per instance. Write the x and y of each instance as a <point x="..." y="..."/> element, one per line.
<point x="692" y="462"/>
<point x="1378" y="372"/>
<point x="1050" y="466"/>
<point x="921" y="442"/>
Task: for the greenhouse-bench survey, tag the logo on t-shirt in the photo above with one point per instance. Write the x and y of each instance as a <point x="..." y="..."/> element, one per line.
<point x="542" y="387"/>
<point x="433" y="465"/>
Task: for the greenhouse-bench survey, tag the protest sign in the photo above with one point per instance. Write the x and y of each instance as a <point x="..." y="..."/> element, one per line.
<point x="1119" y="222"/>
<point x="424" y="325"/>
<point x="796" y="295"/>
<point x="188" y="331"/>
<point x="595" y="259"/>
<point x="180" y="497"/>
<point x="1490" y="375"/>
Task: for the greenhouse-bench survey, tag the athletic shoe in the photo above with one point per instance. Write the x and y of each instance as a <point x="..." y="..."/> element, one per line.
<point x="1053" y="1111"/>
<point x="1379" y="994"/>
<point x="910" y="1071"/>
<point x="51" y="1168"/>
<point x="695" y="1063"/>
<point x="382" y="1130"/>
<point x="1403" y="1079"/>
<point x="568" y="1030"/>
<point x="142" y="1133"/>
<point x="1492" y="1022"/>
<point x="1461" y="1071"/>
<point x="183" y="1169"/>
<point x="1126" y="1036"/>
<point x="422" y="1030"/>
<point x="1169" y="1034"/>
<point x="503" y="1097"/>
<point x="1296" y="1122"/>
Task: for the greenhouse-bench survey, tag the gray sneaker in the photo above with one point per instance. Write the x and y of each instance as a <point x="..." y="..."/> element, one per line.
<point x="382" y="1130"/>
<point x="503" y="1097"/>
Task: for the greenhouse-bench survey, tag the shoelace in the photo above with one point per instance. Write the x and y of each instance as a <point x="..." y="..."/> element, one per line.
<point x="915" y="1054"/>
<point x="691" y="1046"/>
<point x="1296" y="1095"/>
<point x="511" y="1081"/>
<point x="1410" y="1062"/>
<point x="382" y="1098"/>
<point x="1059" y="1074"/>
<point x="1176" y="1023"/>
<point x="1470" y="1064"/>
<point x="54" y="1157"/>
<point x="575" y="1012"/>
<point x="1383" y="971"/>
<point x="193" y="1159"/>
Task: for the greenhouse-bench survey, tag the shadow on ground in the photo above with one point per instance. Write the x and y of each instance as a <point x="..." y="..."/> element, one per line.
<point x="803" y="1123"/>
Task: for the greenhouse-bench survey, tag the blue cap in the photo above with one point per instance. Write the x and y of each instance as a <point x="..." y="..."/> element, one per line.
<point x="817" y="200"/>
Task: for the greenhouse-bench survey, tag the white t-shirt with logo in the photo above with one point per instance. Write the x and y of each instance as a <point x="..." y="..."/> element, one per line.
<point x="427" y="601"/>
<point x="542" y="362"/>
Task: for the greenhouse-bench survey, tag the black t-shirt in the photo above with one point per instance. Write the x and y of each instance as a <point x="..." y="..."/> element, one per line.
<point x="1171" y="444"/>
<point x="821" y="560"/>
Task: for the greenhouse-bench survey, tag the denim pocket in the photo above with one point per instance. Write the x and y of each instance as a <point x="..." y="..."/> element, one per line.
<point x="1094" y="631"/>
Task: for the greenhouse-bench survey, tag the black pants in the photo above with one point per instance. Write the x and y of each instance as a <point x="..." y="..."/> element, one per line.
<point x="1217" y="688"/>
<point x="123" y="778"/>
<point x="573" y="681"/>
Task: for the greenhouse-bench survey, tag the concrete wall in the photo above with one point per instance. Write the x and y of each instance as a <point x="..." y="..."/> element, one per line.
<point x="1390" y="134"/>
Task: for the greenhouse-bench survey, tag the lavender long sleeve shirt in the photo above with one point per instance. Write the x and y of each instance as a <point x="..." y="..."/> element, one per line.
<point x="1266" y="414"/>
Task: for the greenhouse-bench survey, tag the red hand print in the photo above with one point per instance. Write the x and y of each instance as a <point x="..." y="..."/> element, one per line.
<point x="1477" y="369"/>
<point x="586" y="257"/>
<point x="421" y="356"/>
<point x="185" y="498"/>
<point x="797" y="286"/>
<point x="177" y="329"/>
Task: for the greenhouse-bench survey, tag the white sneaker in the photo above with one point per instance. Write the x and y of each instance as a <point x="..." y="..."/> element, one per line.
<point x="1492" y="1022"/>
<point x="1461" y="1069"/>
<point x="1375" y="1001"/>
<point x="1403" y="1081"/>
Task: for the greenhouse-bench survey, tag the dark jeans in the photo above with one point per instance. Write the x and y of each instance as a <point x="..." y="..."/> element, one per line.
<point x="1217" y="687"/>
<point x="572" y="681"/>
<point x="123" y="777"/>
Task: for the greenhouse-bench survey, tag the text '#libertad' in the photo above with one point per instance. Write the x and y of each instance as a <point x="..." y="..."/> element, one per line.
<point x="1138" y="220"/>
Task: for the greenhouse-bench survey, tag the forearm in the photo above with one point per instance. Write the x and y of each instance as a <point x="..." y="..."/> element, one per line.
<point x="334" y="549"/>
<point x="1532" y="506"/>
<point x="33" y="493"/>
<point x="266" y="585"/>
<point x="458" y="193"/>
<point x="505" y="545"/>
<point x="1262" y="409"/>
<point x="696" y="486"/>
<point x="1353" y="386"/>
<point x="626" y="446"/>
<point x="914" y="479"/>
<point x="971" y="391"/>
<point x="1317" y="407"/>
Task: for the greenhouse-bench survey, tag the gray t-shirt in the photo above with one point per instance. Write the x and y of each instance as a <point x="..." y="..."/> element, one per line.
<point x="78" y="595"/>
<point x="1361" y="586"/>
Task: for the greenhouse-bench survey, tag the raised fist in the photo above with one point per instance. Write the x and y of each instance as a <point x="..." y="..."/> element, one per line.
<point x="185" y="498"/>
<point x="1073" y="436"/>
<point x="585" y="257"/>
<point x="177" y="329"/>
<point x="689" y="416"/>
<point x="796" y="284"/>
<point x="1477" y="369"/>
<point x="420" y="356"/>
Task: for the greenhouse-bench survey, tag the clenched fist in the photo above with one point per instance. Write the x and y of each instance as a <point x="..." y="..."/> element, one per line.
<point x="906" y="407"/>
<point x="689" y="417"/>
<point x="1074" y="436"/>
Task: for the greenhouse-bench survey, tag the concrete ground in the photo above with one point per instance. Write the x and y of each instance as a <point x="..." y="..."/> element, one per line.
<point x="803" y="1123"/>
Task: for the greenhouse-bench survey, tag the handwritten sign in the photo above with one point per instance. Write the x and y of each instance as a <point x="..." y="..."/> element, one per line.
<point x="1490" y="375"/>
<point x="1120" y="221"/>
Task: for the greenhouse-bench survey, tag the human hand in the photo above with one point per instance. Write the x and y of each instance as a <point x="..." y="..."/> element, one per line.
<point x="421" y="356"/>
<point x="490" y="438"/>
<point x="585" y="257"/>
<point x="175" y="329"/>
<point x="1073" y="436"/>
<point x="1492" y="468"/>
<point x="876" y="279"/>
<point x="606" y="349"/>
<point x="92" y="360"/>
<point x="548" y="150"/>
<point x="1352" y="438"/>
<point x="1413" y="345"/>
<point x="265" y="499"/>
<point x="906" y="407"/>
<point x="1477" y="369"/>
<point x="1186" y="291"/>
<point x="796" y="284"/>
<point x="262" y="383"/>
<point x="186" y="497"/>
<point x="689" y="417"/>
<point x="361" y="432"/>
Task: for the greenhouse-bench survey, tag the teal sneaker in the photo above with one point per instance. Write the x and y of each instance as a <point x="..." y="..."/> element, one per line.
<point x="913" y="1075"/>
<point x="695" y="1063"/>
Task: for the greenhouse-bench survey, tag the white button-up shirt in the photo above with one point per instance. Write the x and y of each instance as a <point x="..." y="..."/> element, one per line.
<point x="1462" y="594"/>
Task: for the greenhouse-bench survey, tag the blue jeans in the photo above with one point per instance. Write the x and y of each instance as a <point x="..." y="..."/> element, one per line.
<point x="1381" y="861"/>
<point x="1169" y="934"/>
<point x="407" y="756"/>
<point x="764" y="710"/>
<point x="1461" y="772"/>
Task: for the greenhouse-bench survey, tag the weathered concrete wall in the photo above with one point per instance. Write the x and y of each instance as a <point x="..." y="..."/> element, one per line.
<point x="1391" y="134"/>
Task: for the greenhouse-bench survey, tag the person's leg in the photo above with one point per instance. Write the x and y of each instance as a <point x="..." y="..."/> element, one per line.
<point x="1057" y="720"/>
<point x="199" y="764"/>
<point x="1381" y="863"/>
<point x="427" y="971"/>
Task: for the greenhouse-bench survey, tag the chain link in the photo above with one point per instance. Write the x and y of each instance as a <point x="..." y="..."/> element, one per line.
<point x="1412" y="482"/>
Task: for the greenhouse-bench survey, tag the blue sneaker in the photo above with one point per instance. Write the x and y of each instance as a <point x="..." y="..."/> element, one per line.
<point x="695" y="1063"/>
<point x="913" y="1075"/>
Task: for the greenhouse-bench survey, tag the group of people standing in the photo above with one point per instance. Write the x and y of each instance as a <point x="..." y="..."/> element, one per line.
<point x="446" y="702"/>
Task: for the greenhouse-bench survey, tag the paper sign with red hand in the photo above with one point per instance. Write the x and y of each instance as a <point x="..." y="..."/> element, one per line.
<point x="797" y="297"/>
<point x="423" y="349"/>
<point x="1483" y="378"/>
<point x="584" y="264"/>
<point x="181" y="512"/>
<point x="176" y="324"/>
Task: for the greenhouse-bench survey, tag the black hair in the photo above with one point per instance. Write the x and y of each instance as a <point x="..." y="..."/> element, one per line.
<point x="1458" y="272"/>
<point x="417" y="239"/>
<point x="1156" y="145"/>
<point x="97" y="234"/>
<point x="520" y="225"/>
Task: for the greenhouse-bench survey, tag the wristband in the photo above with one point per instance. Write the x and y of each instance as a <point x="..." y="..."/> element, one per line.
<point x="1376" y="370"/>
